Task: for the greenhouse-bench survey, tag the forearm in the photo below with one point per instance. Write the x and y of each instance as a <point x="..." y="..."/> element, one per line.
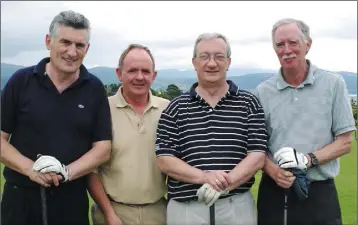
<point x="98" y="194"/>
<point x="180" y="170"/>
<point x="340" y="147"/>
<point x="99" y="154"/>
<point x="13" y="159"/>
<point x="269" y="167"/>
<point x="246" y="169"/>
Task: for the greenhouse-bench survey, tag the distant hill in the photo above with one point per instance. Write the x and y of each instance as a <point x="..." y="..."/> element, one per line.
<point x="246" y="78"/>
<point x="6" y="71"/>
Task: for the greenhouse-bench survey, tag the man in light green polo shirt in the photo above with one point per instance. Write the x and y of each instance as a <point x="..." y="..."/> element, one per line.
<point x="130" y="188"/>
<point x="310" y="123"/>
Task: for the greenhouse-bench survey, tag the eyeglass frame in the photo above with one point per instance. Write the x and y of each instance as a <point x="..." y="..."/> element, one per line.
<point x="209" y="57"/>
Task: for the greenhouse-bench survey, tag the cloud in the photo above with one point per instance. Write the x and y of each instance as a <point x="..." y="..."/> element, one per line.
<point x="341" y="29"/>
<point x="24" y="26"/>
<point x="169" y="29"/>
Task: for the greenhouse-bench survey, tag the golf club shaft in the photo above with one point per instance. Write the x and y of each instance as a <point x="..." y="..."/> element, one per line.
<point x="212" y="214"/>
<point x="285" y="208"/>
<point x="44" y="206"/>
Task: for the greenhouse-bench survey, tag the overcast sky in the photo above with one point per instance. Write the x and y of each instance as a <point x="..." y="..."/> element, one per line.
<point x="169" y="29"/>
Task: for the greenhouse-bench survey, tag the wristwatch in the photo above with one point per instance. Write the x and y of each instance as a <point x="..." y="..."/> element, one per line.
<point x="314" y="160"/>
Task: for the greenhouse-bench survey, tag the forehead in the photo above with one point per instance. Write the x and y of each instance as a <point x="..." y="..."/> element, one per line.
<point x="71" y="34"/>
<point x="212" y="46"/>
<point x="287" y="32"/>
<point x="138" y="58"/>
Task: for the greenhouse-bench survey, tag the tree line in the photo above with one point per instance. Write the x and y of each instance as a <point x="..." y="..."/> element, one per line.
<point x="169" y="93"/>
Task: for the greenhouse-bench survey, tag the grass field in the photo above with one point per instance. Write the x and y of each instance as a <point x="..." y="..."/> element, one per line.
<point x="346" y="185"/>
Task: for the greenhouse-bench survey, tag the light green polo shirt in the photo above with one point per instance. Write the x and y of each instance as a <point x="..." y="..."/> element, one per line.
<point x="308" y="117"/>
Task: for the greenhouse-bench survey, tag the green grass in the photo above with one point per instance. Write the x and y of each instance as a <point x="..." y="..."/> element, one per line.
<point x="346" y="185"/>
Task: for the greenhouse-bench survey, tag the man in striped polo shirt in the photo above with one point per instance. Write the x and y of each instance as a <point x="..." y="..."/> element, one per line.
<point x="212" y="136"/>
<point x="310" y="122"/>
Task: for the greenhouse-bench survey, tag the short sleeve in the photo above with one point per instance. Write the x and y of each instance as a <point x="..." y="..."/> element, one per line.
<point x="167" y="133"/>
<point x="103" y="124"/>
<point x="343" y="120"/>
<point x="257" y="132"/>
<point x="9" y="101"/>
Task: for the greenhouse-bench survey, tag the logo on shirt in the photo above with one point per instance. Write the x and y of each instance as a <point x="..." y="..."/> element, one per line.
<point x="81" y="106"/>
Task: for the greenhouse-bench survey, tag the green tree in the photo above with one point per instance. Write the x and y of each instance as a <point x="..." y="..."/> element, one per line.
<point x="112" y="89"/>
<point x="162" y="93"/>
<point x="173" y="91"/>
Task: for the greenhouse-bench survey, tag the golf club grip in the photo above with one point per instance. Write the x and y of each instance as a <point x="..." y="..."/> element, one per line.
<point x="44" y="206"/>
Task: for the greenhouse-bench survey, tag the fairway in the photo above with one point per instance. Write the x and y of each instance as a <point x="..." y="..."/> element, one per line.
<point x="346" y="185"/>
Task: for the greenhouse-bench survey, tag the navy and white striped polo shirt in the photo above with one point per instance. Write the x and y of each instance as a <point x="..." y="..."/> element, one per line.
<point x="210" y="138"/>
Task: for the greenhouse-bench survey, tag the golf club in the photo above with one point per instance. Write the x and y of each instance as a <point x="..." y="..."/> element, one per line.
<point x="285" y="206"/>
<point x="44" y="206"/>
<point x="212" y="214"/>
<point x="43" y="202"/>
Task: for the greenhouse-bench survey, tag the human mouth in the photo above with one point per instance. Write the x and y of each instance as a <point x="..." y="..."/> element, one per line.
<point x="70" y="60"/>
<point x="138" y="85"/>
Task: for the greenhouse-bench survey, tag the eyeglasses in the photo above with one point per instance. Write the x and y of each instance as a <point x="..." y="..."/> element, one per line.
<point x="206" y="57"/>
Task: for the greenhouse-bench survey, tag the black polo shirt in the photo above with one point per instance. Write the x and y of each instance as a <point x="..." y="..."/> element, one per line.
<point x="43" y="121"/>
<point x="211" y="138"/>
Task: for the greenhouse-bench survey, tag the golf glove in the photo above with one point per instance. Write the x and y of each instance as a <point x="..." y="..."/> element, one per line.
<point x="209" y="195"/>
<point x="288" y="157"/>
<point x="46" y="164"/>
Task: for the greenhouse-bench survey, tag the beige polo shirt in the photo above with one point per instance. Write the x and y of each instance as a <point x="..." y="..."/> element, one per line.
<point x="131" y="175"/>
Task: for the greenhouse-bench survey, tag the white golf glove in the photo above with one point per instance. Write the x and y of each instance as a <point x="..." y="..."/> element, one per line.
<point x="288" y="157"/>
<point x="46" y="164"/>
<point x="209" y="195"/>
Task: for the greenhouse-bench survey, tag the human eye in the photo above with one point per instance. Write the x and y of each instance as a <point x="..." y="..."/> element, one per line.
<point x="203" y="57"/>
<point x="220" y="57"/>
<point x="65" y="42"/>
<point x="80" y="45"/>
<point x="280" y="44"/>
<point x="145" y="71"/>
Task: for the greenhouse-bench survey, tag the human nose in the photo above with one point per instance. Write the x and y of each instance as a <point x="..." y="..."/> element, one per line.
<point x="71" y="50"/>
<point x="287" y="48"/>
<point x="140" y="76"/>
<point x="211" y="61"/>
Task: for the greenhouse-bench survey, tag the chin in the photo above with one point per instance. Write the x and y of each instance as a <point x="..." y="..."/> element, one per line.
<point x="212" y="79"/>
<point x="139" y="91"/>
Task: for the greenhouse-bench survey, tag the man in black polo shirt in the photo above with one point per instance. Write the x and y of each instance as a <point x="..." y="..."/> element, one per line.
<point x="60" y="111"/>
<point x="211" y="141"/>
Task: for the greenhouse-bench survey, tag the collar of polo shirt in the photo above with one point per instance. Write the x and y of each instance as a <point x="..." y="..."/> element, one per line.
<point x="122" y="103"/>
<point x="282" y="84"/>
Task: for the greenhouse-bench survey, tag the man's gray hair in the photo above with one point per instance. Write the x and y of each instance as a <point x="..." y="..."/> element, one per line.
<point x="212" y="36"/>
<point x="305" y="30"/>
<point x="70" y="19"/>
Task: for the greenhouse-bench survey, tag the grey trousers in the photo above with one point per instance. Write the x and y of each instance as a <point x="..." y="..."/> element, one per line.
<point x="235" y="210"/>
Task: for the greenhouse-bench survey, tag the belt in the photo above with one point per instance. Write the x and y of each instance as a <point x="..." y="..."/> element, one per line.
<point x="127" y="204"/>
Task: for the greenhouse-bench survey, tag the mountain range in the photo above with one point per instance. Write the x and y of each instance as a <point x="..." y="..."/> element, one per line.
<point x="245" y="78"/>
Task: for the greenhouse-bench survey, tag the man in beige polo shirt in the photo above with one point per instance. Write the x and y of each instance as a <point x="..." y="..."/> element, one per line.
<point x="129" y="188"/>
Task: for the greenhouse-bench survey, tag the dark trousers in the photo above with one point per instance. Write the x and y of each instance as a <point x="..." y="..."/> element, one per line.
<point x="321" y="208"/>
<point x="22" y="206"/>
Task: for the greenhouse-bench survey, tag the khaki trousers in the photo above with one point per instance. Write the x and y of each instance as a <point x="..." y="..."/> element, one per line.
<point x="234" y="210"/>
<point x="151" y="214"/>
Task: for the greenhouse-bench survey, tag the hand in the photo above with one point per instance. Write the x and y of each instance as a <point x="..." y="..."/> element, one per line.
<point x="44" y="179"/>
<point x="283" y="178"/>
<point x="45" y="164"/>
<point x="112" y="219"/>
<point x="209" y="195"/>
<point x="288" y="157"/>
<point x="217" y="179"/>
